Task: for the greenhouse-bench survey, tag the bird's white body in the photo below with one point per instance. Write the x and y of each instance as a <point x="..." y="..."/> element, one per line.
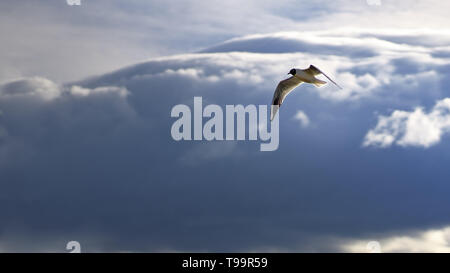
<point x="305" y="77"/>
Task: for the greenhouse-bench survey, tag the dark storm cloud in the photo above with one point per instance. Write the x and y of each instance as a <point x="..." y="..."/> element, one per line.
<point x="94" y="161"/>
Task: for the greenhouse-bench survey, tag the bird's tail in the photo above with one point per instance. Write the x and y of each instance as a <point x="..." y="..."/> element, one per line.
<point x="273" y="110"/>
<point x="276" y="103"/>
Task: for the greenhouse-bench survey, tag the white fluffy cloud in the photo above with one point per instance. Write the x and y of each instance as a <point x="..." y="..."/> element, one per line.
<point x="366" y="64"/>
<point x="36" y="87"/>
<point x="46" y="90"/>
<point x="302" y="118"/>
<point x="76" y="90"/>
<point x="414" y="128"/>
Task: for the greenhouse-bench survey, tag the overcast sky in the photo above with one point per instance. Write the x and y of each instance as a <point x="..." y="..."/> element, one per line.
<point x="86" y="152"/>
<point x="98" y="36"/>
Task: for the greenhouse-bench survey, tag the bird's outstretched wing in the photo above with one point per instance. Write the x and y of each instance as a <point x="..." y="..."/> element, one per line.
<point x="316" y="71"/>
<point x="282" y="90"/>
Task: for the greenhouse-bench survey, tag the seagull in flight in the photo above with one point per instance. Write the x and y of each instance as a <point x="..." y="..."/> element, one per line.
<point x="298" y="76"/>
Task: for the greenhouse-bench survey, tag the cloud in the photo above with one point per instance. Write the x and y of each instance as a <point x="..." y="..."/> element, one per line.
<point x="37" y="87"/>
<point x="430" y="240"/>
<point x="33" y="109"/>
<point x="415" y="128"/>
<point x="365" y="63"/>
<point x="95" y="158"/>
<point x="46" y="90"/>
<point x="84" y="92"/>
<point x="123" y="34"/>
<point x="302" y="118"/>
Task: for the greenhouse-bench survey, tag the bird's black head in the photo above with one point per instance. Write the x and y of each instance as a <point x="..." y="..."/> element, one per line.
<point x="292" y="72"/>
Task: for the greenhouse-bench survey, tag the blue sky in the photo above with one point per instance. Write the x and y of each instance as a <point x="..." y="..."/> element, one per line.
<point x="86" y="152"/>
